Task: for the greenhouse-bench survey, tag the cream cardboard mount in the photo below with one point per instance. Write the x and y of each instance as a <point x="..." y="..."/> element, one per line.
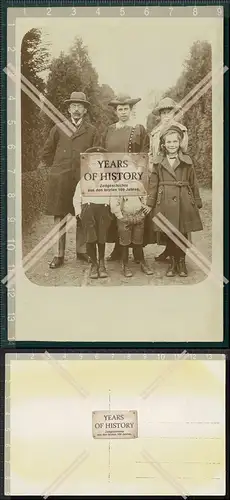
<point x="115" y="424"/>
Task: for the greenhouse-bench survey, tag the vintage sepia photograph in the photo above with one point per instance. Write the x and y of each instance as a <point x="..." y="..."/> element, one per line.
<point x="119" y="178"/>
<point x="125" y="87"/>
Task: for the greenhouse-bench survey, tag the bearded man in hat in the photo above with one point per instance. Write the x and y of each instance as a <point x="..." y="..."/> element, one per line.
<point x="61" y="155"/>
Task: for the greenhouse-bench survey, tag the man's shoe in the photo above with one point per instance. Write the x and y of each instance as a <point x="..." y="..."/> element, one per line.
<point x="94" y="272"/>
<point x="126" y="271"/>
<point x="146" y="269"/>
<point x="163" y="256"/>
<point x="56" y="262"/>
<point x="182" y="269"/>
<point x="172" y="269"/>
<point x="83" y="256"/>
<point x="102" y="270"/>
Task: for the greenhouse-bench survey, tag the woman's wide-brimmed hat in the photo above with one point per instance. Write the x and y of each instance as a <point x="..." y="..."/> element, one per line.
<point x="78" y="97"/>
<point x="122" y="99"/>
<point x="166" y="103"/>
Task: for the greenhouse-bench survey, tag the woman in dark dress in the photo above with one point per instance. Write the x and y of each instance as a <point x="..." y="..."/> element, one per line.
<point x="121" y="137"/>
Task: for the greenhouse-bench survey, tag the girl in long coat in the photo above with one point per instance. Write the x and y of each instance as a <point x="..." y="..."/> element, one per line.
<point x="166" y="111"/>
<point x="121" y="137"/>
<point x="174" y="193"/>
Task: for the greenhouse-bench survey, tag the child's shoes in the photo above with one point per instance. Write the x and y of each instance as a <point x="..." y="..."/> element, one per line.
<point x="181" y="267"/>
<point x="146" y="269"/>
<point x="94" y="271"/>
<point x="126" y="271"/>
<point x="172" y="269"/>
<point x="102" y="270"/>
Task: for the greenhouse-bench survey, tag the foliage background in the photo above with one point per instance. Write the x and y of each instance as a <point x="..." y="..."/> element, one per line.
<point x="198" y="119"/>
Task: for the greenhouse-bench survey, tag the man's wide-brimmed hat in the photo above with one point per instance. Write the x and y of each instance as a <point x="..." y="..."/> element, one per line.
<point x="122" y="99"/>
<point x="166" y="103"/>
<point x="78" y="97"/>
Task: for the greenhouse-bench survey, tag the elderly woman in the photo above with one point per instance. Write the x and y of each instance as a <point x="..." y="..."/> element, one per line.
<point x="120" y="137"/>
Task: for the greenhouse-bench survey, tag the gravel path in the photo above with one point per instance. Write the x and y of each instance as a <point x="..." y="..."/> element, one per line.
<point x="76" y="273"/>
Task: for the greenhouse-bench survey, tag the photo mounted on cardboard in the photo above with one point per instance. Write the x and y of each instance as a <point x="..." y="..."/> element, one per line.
<point x="84" y="248"/>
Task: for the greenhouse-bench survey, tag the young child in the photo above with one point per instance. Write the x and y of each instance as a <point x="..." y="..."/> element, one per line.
<point x="94" y="212"/>
<point x="166" y="110"/>
<point x="173" y="192"/>
<point x="130" y="211"/>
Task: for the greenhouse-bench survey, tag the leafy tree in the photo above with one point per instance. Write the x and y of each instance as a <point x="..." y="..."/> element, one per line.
<point x="74" y="72"/>
<point x="106" y="114"/>
<point x="198" y="119"/>
<point x="34" y="60"/>
<point x="152" y="119"/>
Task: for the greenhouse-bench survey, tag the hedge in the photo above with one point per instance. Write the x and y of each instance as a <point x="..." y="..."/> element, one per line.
<point x="33" y="196"/>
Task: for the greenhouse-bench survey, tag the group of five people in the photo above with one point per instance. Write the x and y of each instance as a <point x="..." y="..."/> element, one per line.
<point x="127" y="221"/>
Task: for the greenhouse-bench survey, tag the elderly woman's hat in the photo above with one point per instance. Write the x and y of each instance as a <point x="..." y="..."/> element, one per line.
<point x="166" y="103"/>
<point x="78" y="97"/>
<point x="123" y="99"/>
